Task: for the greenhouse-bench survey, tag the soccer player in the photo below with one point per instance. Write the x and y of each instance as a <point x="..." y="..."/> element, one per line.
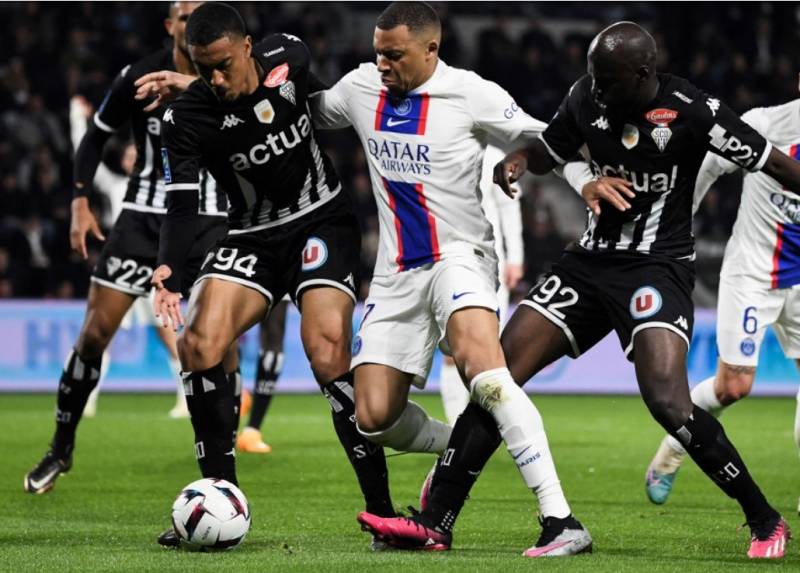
<point x="757" y="287"/>
<point x="506" y="220"/>
<point x="128" y="258"/>
<point x="424" y="126"/>
<point x="268" y="370"/>
<point x="632" y="271"/>
<point x="114" y="186"/>
<point x="292" y="230"/>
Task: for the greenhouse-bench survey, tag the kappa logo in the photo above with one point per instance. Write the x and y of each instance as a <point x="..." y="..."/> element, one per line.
<point x="113" y="264"/>
<point x="264" y="111"/>
<point x="168" y="117"/>
<point x="682" y="322"/>
<point x="277" y="76"/>
<point x="315" y="253"/>
<point x="713" y="105"/>
<point x="601" y="123"/>
<point x="231" y="121"/>
<point x="645" y="302"/>
<point x="348" y="280"/>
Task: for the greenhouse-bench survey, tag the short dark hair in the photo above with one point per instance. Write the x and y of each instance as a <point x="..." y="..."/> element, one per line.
<point x="211" y="21"/>
<point x="416" y="16"/>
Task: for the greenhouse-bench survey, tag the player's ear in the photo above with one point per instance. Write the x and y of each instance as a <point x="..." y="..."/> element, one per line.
<point x="432" y="48"/>
<point x="168" y="25"/>
<point x="248" y="45"/>
<point x="642" y="73"/>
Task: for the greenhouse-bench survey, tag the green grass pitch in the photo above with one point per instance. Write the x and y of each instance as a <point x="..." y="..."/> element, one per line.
<point x="131" y="461"/>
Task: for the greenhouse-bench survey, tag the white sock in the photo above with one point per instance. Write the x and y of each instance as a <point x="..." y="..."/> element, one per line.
<point x="180" y="397"/>
<point x="703" y="396"/>
<point x="522" y="429"/>
<point x="455" y="396"/>
<point x="414" y="431"/>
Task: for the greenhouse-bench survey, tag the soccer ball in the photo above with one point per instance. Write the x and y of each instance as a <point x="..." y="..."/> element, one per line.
<point x="210" y="514"/>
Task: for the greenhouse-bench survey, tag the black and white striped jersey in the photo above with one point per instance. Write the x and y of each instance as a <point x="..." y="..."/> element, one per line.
<point x="261" y="148"/>
<point x="146" y="184"/>
<point x="660" y="151"/>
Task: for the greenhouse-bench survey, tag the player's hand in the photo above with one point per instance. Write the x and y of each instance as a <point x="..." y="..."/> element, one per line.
<point x="164" y="86"/>
<point x="611" y="189"/>
<point x="509" y="170"/>
<point x="512" y="273"/>
<point x="83" y="222"/>
<point x="166" y="304"/>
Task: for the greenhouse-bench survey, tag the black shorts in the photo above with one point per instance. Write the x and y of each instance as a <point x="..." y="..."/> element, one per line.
<point x="588" y="295"/>
<point x="129" y="255"/>
<point x="322" y="248"/>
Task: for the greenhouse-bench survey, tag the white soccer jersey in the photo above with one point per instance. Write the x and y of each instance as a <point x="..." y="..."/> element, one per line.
<point x="765" y="244"/>
<point x="425" y="153"/>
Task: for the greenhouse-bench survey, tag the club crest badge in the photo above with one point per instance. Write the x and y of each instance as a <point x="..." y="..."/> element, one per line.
<point x="661" y="118"/>
<point x="287" y="92"/>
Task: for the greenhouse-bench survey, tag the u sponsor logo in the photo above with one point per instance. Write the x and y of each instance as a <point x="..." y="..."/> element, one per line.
<point x="645" y="302"/>
<point x="315" y="253"/>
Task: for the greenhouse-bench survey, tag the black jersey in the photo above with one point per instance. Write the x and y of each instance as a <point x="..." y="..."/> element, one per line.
<point x="146" y="184"/>
<point x="660" y="152"/>
<point x="261" y="148"/>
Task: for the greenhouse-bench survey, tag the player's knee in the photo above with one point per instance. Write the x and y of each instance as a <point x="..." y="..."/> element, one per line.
<point x="669" y="412"/>
<point x="94" y="339"/>
<point x="372" y="418"/>
<point x="473" y="355"/>
<point x="328" y="353"/>
<point x="735" y="383"/>
<point x="198" y="350"/>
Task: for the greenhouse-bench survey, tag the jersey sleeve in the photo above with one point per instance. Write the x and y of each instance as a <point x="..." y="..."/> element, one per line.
<point x="727" y="135"/>
<point x="118" y="103"/>
<point x="180" y="156"/>
<point x="330" y="108"/>
<point x="496" y="113"/>
<point x="563" y="137"/>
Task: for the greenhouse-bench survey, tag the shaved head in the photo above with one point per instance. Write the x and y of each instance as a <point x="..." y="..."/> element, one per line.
<point x="624" y="43"/>
<point x="622" y="62"/>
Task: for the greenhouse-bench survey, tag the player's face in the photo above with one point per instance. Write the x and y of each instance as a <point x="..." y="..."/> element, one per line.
<point x="224" y="65"/>
<point x="176" y="23"/>
<point x="403" y="59"/>
<point x="617" y="87"/>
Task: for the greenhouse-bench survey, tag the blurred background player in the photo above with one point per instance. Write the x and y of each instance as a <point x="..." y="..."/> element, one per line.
<point x="759" y="285"/>
<point x="506" y="219"/>
<point x="268" y="370"/>
<point x="114" y="186"/>
<point x="126" y="264"/>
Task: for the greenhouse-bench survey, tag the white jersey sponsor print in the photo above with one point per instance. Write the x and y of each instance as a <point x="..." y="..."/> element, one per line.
<point x="425" y="153"/>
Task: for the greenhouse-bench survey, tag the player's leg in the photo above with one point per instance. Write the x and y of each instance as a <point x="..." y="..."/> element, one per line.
<point x="729" y="384"/>
<point x="169" y="339"/>
<point x="797" y="427"/>
<point x="455" y="395"/>
<point x="326" y="331"/>
<point x="105" y="309"/>
<point x="660" y="361"/>
<point x="743" y="314"/>
<point x="219" y="312"/>
<point x="268" y="369"/>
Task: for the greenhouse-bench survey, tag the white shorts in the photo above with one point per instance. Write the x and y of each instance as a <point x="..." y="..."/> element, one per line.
<point x="406" y="314"/>
<point x="744" y="311"/>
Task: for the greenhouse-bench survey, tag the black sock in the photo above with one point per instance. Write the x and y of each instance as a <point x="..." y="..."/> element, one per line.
<point x="209" y="395"/>
<point x="235" y="381"/>
<point x="268" y="369"/>
<point x="367" y="458"/>
<point x="78" y="379"/>
<point x="705" y="441"/>
<point x="474" y="439"/>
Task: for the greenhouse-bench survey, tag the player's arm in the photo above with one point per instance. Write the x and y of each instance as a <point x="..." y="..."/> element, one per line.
<point x="181" y="158"/>
<point x="112" y="114"/>
<point x="330" y="106"/>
